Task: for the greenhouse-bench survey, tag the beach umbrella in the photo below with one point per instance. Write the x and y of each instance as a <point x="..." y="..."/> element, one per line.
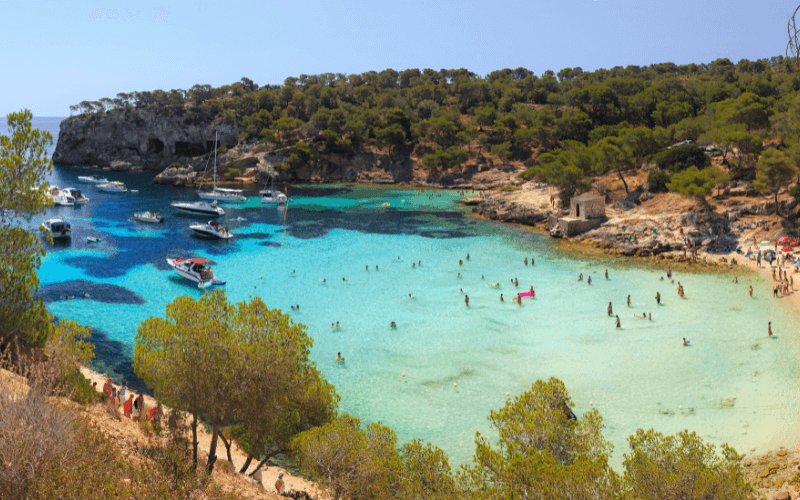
<point x="705" y="242"/>
<point x="765" y="242"/>
<point x="786" y="249"/>
<point x="794" y="243"/>
<point x="765" y="248"/>
<point x="783" y="239"/>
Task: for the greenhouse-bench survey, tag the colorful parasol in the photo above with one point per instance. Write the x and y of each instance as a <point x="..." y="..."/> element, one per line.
<point x="765" y="242"/>
<point x="794" y="243"/>
<point x="783" y="239"/>
<point x="786" y="249"/>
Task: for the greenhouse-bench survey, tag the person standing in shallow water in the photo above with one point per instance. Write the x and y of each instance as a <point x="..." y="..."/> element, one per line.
<point x="629" y="300"/>
<point x="606" y="273"/>
<point x="610" y="309"/>
<point x="618" y="325"/>
<point x="769" y="329"/>
<point x="751" y="290"/>
<point x="658" y="298"/>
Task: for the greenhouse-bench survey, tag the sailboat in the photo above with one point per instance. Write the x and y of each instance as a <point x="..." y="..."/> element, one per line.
<point x="220" y="194"/>
<point x="272" y="195"/>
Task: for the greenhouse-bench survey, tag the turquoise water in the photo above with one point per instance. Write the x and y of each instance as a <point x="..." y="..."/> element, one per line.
<point x="636" y="377"/>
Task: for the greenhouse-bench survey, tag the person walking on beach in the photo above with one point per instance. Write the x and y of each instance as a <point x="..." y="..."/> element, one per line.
<point x="610" y="313"/>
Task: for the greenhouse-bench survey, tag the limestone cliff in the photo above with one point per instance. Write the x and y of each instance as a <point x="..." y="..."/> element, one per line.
<point x="137" y="139"/>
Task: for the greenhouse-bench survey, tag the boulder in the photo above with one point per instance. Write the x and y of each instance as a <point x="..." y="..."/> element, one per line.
<point x="783" y="495"/>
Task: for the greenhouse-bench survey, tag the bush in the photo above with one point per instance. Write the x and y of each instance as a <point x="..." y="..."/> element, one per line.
<point x="681" y="158"/>
<point x="795" y="191"/>
<point x="510" y="187"/>
<point x="657" y="181"/>
<point x="222" y="150"/>
<point x="233" y="173"/>
<point x="175" y="165"/>
<point x="79" y="388"/>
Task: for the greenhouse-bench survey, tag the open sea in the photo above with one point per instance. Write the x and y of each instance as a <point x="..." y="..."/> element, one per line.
<point x="733" y="384"/>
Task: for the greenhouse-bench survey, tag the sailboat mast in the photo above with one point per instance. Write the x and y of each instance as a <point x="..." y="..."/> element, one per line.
<point x="216" y="135"/>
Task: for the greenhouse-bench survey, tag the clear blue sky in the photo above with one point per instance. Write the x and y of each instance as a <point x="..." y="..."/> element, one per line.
<point x="59" y="53"/>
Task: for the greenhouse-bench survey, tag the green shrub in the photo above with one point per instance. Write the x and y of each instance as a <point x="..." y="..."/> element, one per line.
<point x="657" y="181"/>
<point x="222" y="150"/>
<point x="175" y="165"/>
<point x="510" y="187"/>
<point x="680" y="158"/>
<point x="795" y="191"/>
<point x="78" y="388"/>
<point x="232" y="173"/>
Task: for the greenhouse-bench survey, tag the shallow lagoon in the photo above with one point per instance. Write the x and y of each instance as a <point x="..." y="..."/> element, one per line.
<point x="636" y="377"/>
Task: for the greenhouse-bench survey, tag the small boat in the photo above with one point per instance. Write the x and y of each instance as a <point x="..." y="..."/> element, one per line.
<point x="148" y="217"/>
<point x="91" y="179"/>
<point x="199" y="208"/>
<point x="59" y="229"/>
<point x="272" y="195"/>
<point x="212" y="229"/>
<point x="193" y="269"/>
<point x="74" y="195"/>
<point x="113" y="187"/>
<point x="93" y="239"/>
<point x="220" y="194"/>
<point x="58" y="198"/>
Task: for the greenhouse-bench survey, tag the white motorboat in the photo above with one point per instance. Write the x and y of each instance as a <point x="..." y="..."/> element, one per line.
<point x="273" y="197"/>
<point x="212" y="229"/>
<point x="199" y="208"/>
<point x="113" y="187"/>
<point x="196" y="270"/>
<point x="59" y="198"/>
<point x="91" y="179"/>
<point x="59" y="229"/>
<point x="148" y="217"/>
<point x="74" y="195"/>
<point x="220" y="194"/>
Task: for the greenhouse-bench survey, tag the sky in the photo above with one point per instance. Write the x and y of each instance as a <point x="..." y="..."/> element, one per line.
<point x="61" y="52"/>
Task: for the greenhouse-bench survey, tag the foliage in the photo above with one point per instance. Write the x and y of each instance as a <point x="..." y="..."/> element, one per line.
<point x="657" y="181"/>
<point x="234" y="363"/>
<point x="542" y="450"/>
<point x="297" y="158"/>
<point x="445" y="160"/>
<point x="680" y="158"/>
<point x="697" y="183"/>
<point x="775" y="170"/>
<point x="233" y="173"/>
<point x="222" y="150"/>
<point x="510" y="188"/>
<point x="682" y="467"/>
<point x="355" y="463"/>
<point x="23" y="166"/>
<point x="426" y="472"/>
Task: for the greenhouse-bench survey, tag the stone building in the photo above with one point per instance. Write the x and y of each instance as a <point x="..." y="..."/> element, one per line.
<point x="587" y="206"/>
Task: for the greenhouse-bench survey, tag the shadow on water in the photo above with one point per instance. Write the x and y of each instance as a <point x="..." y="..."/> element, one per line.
<point x="89" y="290"/>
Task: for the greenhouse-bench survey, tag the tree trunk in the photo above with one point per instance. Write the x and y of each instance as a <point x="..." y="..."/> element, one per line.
<point x="246" y="464"/>
<point x="227" y="448"/>
<point x="619" y="172"/>
<point x="194" y="440"/>
<point x="777" y="211"/>
<point x="269" y="455"/>
<point x="212" y="450"/>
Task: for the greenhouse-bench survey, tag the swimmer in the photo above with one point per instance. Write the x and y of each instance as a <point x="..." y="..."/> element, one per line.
<point x="501" y="298"/>
<point x="526" y="261"/>
<point x="292" y="307"/>
<point x="337" y="324"/>
<point x="532" y="261"/>
<point x="323" y="280"/>
<point x="658" y="298"/>
<point x="466" y="300"/>
<point x="751" y="290"/>
<point x="410" y="295"/>
<point x="662" y="278"/>
<point x="292" y="272"/>
<point x="367" y="268"/>
<point x="643" y="316"/>
<point x="649" y="317"/>
<point x="589" y="280"/>
<point x="298" y="307"/>
<point x="467" y="255"/>
<point x="482" y="277"/>
<point x="685" y="342"/>
<point x="460" y="262"/>
<point x="618" y="325"/>
<point x="392" y="325"/>
<point x="610" y="313"/>
<point x="338" y="357"/>
<point x="629" y="300"/>
<point x="606" y="273"/>
<point x="580" y="277"/>
<point x="671" y="282"/>
<point x="769" y="329"/>
<point x="516" y="282"/>
<point x="345" y="279"/>
<point x="413" y="264"/>
<point x="419" y="263"/>
<point x="736" y="279"/>
<point x="459" y="275"/>
<point x="376" y="267"/>
<point x="534" y="293"/>
<point x="332" y="325"/>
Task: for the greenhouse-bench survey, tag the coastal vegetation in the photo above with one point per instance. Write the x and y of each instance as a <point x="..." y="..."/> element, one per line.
<point x="564" y="127"/>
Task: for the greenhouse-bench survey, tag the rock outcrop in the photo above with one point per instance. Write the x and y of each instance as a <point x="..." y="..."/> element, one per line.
<point x="138" y="139"/>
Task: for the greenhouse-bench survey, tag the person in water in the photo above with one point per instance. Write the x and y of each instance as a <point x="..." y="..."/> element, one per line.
<point x="532" y="261"/>
<point x="589" y="281"/>
<point x="606" y="273"/>
<point x="629" y="300"/>
<point x="532" y="292"/>
<point x="392" y="325"/>
<point x="649" y="316"/>
<point x="376" y="267"/>
<point x="460" y="262"/>
<point x="466" y="300"/>
<point x="769" y="329"/>
<point x="580" y="277"/>
<point x="685" y="342"/>
<point x="337" y="324"/>
<point x="526" y="261"/>
<point x="618" y="324"/>
<point x="610" y="309"/>
<point x="516" y="282"/>
<point x="339" y="358"/>
<point x="501" y="298"/>
<point x="467" y="255"/>
<point x="658" y="298"/>
<point x="367" y="267"/>
<point x="751" y="290"/>
<point x="413" y="264"/>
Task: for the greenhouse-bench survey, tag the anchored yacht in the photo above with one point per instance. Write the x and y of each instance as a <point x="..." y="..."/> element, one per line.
<point x="212" y="229"/>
